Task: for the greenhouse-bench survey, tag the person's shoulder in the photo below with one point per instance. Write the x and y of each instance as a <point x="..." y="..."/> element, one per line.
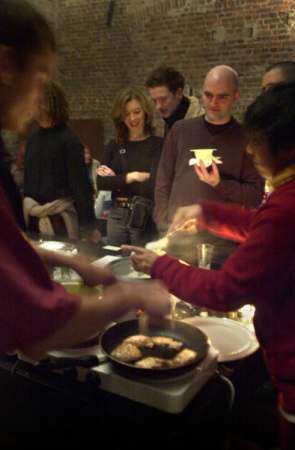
<point x="195" y="108"/>
<point x="158" y="140"/>
<point x="186" y="124"/>
<point x="66" y="130"/>
<point x="279" y="207"/>
<point x="34" y="132"/>
<point x="237" y="125"/>
<point x="111" y="145"/>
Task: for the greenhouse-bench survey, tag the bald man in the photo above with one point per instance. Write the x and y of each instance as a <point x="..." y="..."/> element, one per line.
<point x="234" y="181"/>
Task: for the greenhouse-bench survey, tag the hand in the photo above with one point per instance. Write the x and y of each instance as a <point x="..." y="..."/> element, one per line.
<point x="142" y="258"/>
<point x="150" y="296"/>
<point x="212" y="178"/>
<point x="105" y="171"/>
<point x="140" y="177"/>
<point x="185" y="217"/>
<point x="91" y="274"/>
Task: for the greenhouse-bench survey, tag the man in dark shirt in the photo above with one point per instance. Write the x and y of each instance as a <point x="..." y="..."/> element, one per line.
<point x="165" y="85"/>
<point x="235" y="180"/>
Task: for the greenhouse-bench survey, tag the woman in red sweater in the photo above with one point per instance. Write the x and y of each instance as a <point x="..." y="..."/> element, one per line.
<point x="262" y="270"/>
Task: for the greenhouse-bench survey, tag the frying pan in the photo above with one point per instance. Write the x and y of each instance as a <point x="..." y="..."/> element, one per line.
<point x="191" y="337"/>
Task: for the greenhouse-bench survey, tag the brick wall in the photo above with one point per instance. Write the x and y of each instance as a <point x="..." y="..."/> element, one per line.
<point x="97" y="59"/>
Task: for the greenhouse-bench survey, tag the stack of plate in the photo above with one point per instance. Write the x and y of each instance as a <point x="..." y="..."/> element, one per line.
<point x="232" y="339"/>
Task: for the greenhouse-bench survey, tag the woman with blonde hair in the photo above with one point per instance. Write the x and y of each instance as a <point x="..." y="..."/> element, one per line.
<point x="129" y="168"/>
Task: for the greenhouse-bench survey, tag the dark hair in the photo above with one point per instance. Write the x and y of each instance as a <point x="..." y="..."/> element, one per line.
<point x="165" y="76"/>
<point x="23" y="28"/>
<point x="119" y="110"/>
<point x="271" y="118"/>
<point x="58" y="107"/>
<point x="287" y="68"/>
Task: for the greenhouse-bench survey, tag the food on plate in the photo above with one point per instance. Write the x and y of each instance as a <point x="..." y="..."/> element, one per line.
<point x="205" y="155"/>
<point x="152" y="363"/>
<point x="185" y="356"/>
<point x="140" y="341"/>
<point x="126" y="352"/>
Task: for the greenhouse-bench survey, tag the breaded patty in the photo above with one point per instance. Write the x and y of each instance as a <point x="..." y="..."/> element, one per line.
<point x="140" y="341"/>
<point x="151" y="363"/>
<point x="127" y="352"/>
<point x="185" y="356"/>
<point x="164" y="341"/>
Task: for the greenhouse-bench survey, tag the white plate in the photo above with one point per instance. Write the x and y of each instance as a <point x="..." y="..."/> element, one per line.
<point x="232" y="339"/>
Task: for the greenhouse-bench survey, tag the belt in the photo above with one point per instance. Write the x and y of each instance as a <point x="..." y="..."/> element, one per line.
<point x="122" y="202"/>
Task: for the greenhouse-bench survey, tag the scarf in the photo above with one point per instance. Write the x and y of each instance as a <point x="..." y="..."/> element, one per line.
<point x="280" y="178"/>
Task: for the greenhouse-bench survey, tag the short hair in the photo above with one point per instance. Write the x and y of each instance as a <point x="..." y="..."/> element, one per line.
<point x="58" y="107"/>
<point x="271" y="118"/>
<point x="287" y="68"/>
<point x="23" y="28"/>
<point x="166" y="76"/>
<point x="119" y="110"/>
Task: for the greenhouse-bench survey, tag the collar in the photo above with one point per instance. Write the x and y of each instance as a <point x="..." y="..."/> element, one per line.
<point x="280" y="178"/>
<point x="179" y="113"/>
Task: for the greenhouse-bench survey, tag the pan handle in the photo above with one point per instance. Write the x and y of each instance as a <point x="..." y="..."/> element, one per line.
<point x="57" y="363"/>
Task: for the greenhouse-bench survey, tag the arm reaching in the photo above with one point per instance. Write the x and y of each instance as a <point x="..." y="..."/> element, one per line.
<point x="92" y="275"/>
<point x="94" y="314"/>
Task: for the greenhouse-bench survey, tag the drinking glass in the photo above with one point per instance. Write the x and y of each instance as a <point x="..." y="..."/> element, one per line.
<point x="205" y="255"/>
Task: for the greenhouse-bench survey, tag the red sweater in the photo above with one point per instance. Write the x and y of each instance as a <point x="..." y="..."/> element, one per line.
<point x="261" y="272"/>
<point x="32" y="307"/>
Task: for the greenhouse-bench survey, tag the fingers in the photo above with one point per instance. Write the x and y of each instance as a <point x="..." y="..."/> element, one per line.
<point x="201" y="171"/>
<point x="215" y="170"/>
<point x="133" y="248"/>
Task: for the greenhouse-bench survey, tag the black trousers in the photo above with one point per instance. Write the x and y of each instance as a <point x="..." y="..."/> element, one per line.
<point x="118" y="231"/>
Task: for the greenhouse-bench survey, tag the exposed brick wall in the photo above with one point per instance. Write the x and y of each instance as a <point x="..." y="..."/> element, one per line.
<point x="192" y="35"/>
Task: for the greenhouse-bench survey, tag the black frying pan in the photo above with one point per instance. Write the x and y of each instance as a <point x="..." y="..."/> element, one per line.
<point x="191" y="337"/>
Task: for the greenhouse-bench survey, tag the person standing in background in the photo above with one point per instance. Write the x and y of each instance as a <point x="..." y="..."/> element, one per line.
<point x="235" y="180"/>
<point x="56" y="184"/>
<point x="165" y="86"/>
<point x="280" y="72"/>
<point x="128" y="169"/>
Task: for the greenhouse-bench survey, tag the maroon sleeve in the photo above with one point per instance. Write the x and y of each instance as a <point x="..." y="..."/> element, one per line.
<point x="227" y="220"/>
<point x="255" y="271"/>
<point x="32" y="306"/>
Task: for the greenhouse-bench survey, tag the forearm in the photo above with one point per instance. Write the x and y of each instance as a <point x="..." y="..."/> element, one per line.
<point x="111" y="183"/>
<point x="92" y="316"/>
